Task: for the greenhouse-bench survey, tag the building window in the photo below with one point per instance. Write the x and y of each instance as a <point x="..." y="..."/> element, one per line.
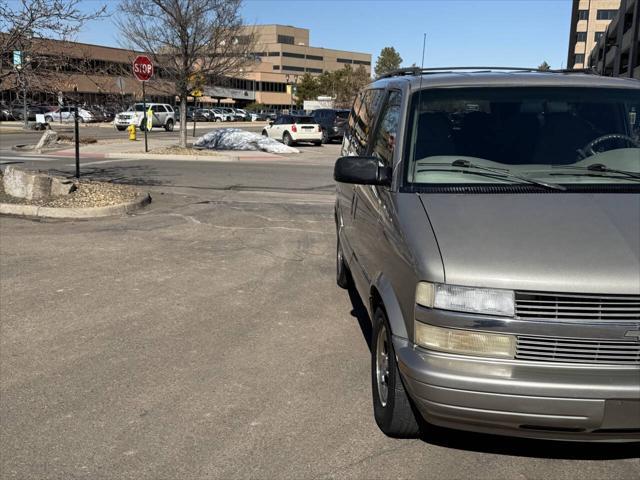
<point x="314" y="57"/>
<point x="292" y="55"/>
<point x="583" y="14"/>
<point x="606" y="14"/>
<point x="362" y="62"/>
<point x="597" y="36"/>
<point x="579" y="58"/>
<point x="288" y="39"/>
<point x="276" y="67"/>
<point x="293" y="69"/>
<point x="313" y="70"/>
<point x="344" y="60"/>
<point x="274" y="54"/>
<point x="581" y="36"/>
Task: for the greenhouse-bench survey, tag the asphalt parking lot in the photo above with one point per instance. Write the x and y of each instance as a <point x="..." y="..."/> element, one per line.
<point x="205" y="338"/>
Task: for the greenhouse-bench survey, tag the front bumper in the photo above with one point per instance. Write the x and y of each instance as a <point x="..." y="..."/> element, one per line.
<point x="563" y="401"/>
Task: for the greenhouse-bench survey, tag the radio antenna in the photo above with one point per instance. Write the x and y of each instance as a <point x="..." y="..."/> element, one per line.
<point x="418" y="107"/>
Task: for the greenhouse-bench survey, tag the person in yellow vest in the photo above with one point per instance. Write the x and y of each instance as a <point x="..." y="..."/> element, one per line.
<point x="149" y="119"/>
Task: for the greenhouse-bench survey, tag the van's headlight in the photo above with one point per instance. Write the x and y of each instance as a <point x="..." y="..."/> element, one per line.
<point x="464" y="342"/>
<point x="487" y="301"/>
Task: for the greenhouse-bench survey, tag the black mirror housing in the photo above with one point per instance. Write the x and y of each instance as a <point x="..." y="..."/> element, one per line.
<point x="361" y="171"/>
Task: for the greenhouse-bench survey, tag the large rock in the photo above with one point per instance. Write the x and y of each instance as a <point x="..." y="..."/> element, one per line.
<point x="33" y="185"/>
<point x="48" y="139"/>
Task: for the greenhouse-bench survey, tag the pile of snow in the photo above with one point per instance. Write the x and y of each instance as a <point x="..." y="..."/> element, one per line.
<point x="237" y="139"/>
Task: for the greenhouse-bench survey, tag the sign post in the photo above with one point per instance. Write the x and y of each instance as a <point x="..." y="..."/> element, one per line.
<point x="143" y="71"/>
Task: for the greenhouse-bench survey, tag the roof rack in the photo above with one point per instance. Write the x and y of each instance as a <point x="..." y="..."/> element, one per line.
<point x="420" y="71"/>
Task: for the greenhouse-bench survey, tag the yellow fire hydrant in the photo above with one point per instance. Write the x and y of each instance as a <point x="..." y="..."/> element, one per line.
<point x="132" y="132"/>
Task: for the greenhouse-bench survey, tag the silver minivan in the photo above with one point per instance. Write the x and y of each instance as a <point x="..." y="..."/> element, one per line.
<point x="490" y="221"/>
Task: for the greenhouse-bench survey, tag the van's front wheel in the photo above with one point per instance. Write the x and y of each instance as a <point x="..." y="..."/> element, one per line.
<point x="392" y="408"/>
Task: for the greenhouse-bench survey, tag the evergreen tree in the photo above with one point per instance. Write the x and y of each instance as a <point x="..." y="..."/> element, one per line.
<point x="388" y="60"/>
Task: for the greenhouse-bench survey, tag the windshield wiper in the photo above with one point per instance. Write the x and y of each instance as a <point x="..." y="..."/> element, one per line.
<point x="599" y="167"/>
<point x="496" y="172"/>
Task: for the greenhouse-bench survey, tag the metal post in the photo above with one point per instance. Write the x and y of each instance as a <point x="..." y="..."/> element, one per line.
<point x="144" y="118"/>
<point x="77" y="139"/>
<point x="195" y="108"/>
<point x="24" y="103"/>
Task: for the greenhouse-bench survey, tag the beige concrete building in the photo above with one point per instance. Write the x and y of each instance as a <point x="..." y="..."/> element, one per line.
<point x="617" y="52"/>
<point x="589" y="21"/>
<point x="284" y="54"/>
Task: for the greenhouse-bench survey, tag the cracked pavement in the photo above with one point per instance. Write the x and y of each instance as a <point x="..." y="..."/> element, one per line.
<point x="205" y="338"/>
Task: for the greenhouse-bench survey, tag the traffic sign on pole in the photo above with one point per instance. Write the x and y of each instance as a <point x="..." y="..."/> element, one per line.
<point x="143" y="68"/>
<point x="143" y="71"/>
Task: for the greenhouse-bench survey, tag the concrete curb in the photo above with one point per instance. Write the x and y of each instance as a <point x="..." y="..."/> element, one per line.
<point x="163" y="156"/>
<point x="88" y="212"/>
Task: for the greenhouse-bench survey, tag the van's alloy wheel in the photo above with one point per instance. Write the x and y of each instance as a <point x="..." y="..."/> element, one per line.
<point x="169" y="126"/>
<point x="392" y="407"/>
<point x="286" y="139"/>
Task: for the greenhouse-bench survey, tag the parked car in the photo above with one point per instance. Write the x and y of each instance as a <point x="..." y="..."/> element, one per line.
<point x="291" y="130"/>
<point x="66" y="114"/>
<point x="498" y="261"/>
<point x="257" y="116"/>
<point x="332" y="122"/>
<point x="163" y="116"/>
<point x="242" y="115"/>
<point x="216" y="115"/>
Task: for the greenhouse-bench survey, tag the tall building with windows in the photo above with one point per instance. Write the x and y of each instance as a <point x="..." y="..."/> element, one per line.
<point x="617" y="52"/>
<point x="589" y="21"/>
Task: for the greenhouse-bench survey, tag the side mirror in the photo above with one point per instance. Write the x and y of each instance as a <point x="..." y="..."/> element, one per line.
<point x="361" y="171"/>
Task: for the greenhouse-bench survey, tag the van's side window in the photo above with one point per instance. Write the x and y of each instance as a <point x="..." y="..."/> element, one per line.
<point x="364" y="119"/>
<point x="385" y="139"/>
<point x="347" y="144"/>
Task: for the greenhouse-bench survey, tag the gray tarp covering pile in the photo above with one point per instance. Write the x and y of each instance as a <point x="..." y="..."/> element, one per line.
<point x="237" y="139"/>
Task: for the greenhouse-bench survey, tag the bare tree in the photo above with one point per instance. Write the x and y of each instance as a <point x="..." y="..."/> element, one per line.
<point x="24" y="24"/>
<point x="188" y="40"/>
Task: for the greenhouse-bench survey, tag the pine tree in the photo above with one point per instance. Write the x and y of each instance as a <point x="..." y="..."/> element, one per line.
<point x="388" y="60"/>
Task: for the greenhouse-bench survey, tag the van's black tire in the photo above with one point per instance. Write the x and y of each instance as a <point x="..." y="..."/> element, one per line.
<point x="142" y="126"/>
<point x="48" y="119"/>
<point x="287" y="140"/>
<point x="169" y="126"/>
<point x="343" y="275"/>
<point x="396" y="419"/>
<point x="119" y="128"/>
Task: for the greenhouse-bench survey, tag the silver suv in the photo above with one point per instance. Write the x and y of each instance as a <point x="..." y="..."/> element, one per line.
<point x="491" y="222"/>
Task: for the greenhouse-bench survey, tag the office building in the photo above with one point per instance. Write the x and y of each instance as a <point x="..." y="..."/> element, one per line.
<point x="589" y="20"/>
<point x="617" y="52"/>
<point x="103" y="74"/>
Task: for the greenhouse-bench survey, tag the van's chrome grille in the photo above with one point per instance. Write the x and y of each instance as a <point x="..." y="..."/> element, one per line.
<point x="577" y="350"/>
<point x="569" y="306"/>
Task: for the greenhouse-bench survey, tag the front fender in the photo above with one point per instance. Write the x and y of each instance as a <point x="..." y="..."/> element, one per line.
<point x="391" y="305"/>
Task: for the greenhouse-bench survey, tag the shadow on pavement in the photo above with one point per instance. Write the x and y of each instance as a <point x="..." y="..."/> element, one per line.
<point x="523" y="447"/>
<point x="130" y="175"/>
<point x="360" y="312"/>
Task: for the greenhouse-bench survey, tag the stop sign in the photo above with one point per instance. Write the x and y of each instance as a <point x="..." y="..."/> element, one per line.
<point x="143" y="68"/>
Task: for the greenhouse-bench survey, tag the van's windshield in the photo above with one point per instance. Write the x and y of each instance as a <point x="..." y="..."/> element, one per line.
<point x="507" y="135"/>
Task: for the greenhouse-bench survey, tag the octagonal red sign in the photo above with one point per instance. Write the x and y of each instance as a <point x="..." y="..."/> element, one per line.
<point x="143" y="68"/>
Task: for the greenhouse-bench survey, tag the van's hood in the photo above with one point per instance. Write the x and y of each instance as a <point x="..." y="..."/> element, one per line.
<point x="586" y="243"/>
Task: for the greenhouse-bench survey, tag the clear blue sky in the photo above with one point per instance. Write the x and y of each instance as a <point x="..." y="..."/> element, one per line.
<point x="459" y="32"/>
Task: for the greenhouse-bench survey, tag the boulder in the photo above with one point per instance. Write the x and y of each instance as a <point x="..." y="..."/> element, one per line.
<point x="48" y="139"/>
<point x="33" y="185"/>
